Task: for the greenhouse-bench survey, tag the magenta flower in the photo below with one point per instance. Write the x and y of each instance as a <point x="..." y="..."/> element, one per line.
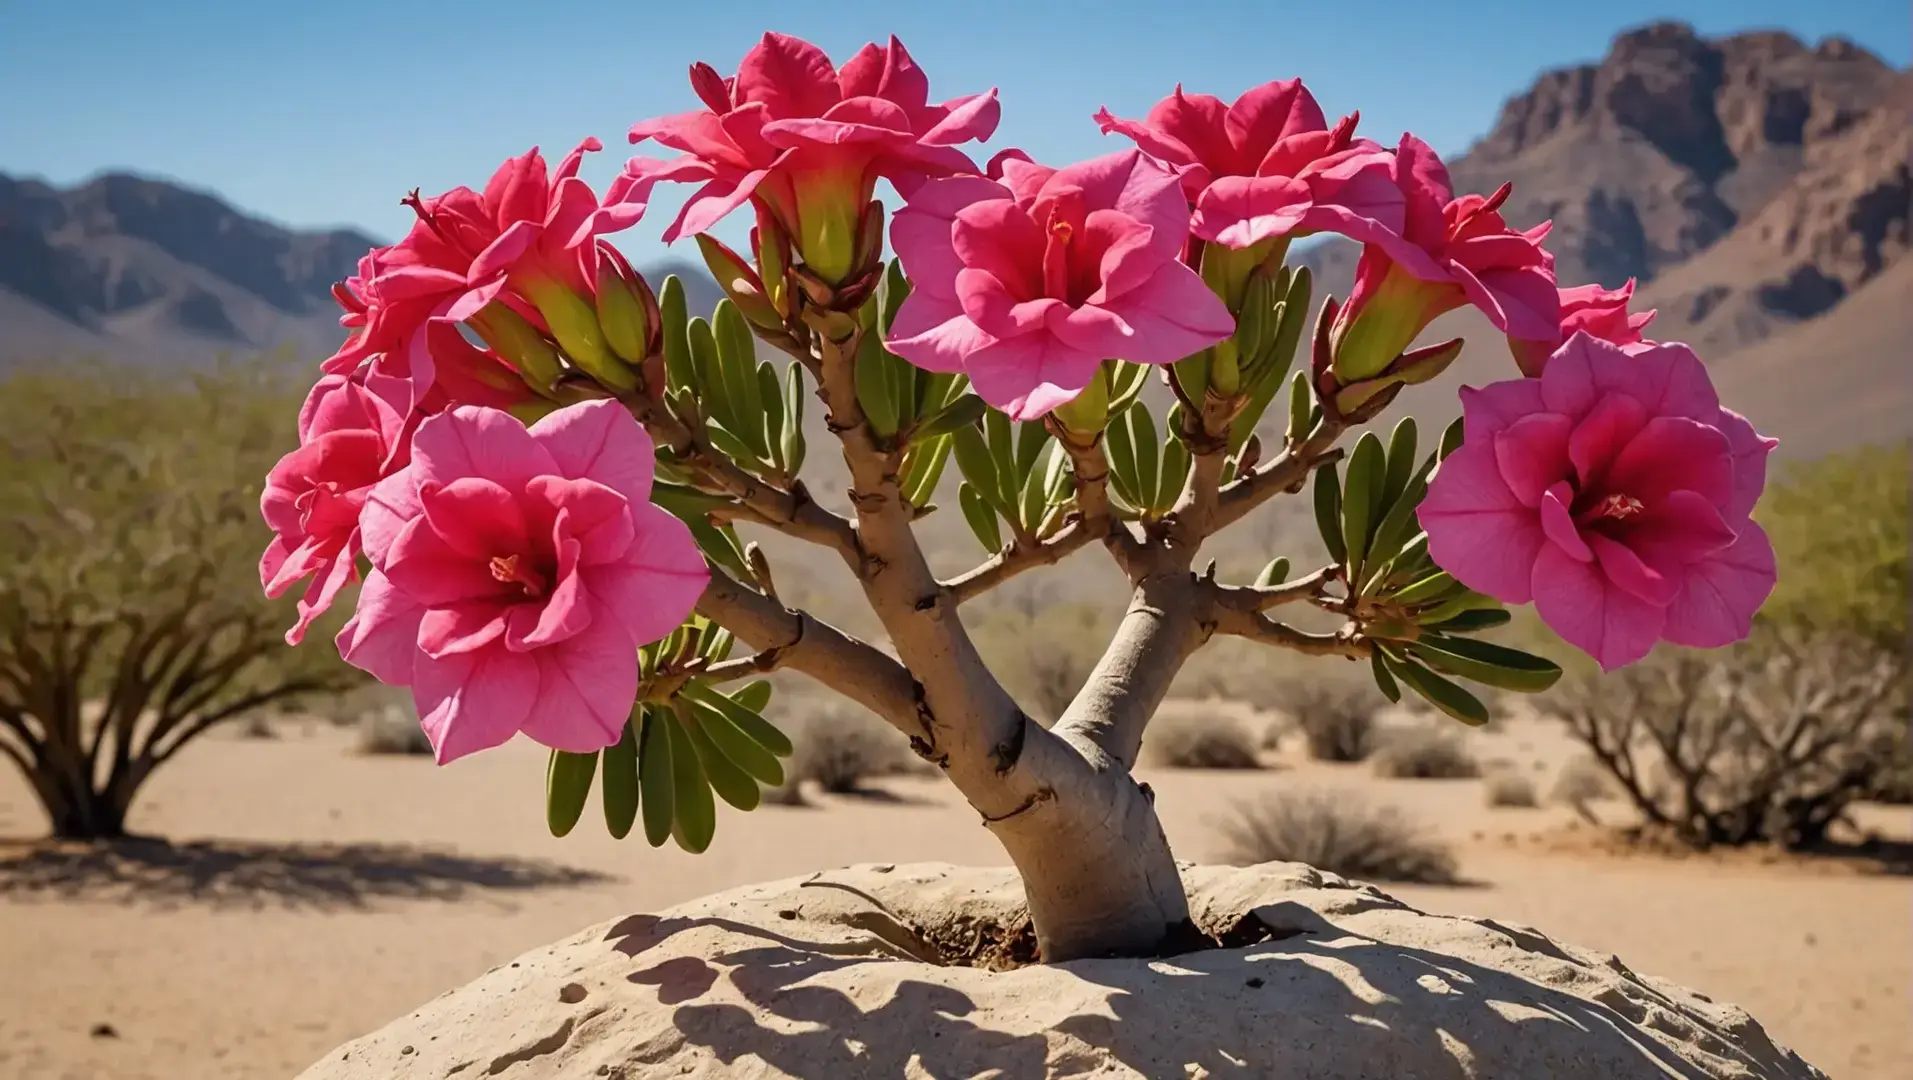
<point x="807" y="141"/>
<point x="516" y="572"/>
<point x="1615" y="493"/>
<point x="349" y="439"/>
<point x="529" y="230"/>
<point x="1268" y="166"/>
<point x="1450" y="252"/>
<point x="1602" y="313"/>
<point x="1029" y="284"/>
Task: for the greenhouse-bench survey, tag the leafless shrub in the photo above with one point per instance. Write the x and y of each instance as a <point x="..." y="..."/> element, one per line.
<point x="1770" y="741"/>
<point x="1580" y="782"/>
<point x="392" y="730"/>
<point x="1336" y="833"/>
<point x="1336" y="719"/>
<point x="1198" y="735"/>
<point x="840" y="747"/>
<point x="1428" y="754"/>
<point x="1510" y="789"/>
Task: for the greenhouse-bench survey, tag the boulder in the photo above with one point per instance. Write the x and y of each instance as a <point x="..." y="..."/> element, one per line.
<point x="920" y="971"/>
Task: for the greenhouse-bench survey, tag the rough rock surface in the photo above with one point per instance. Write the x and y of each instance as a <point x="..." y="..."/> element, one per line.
<point x="839" y="975"/>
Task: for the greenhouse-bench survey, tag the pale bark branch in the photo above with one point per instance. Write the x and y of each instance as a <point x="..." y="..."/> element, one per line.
<point x="1288" y="471"/>
<point x="1264" y="597"/>
<point x="1013" y="560"/>
<point x="1255" y="626"/>
<point x="1164" y="625"/>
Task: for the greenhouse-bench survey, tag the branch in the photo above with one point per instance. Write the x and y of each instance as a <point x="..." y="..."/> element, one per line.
<point x="789" y="511"/>
<point x="157" y="755"/>
<point x="802" y="642"/>
<point x="1163" y="626"/>
<point x="1252" y="598"/>
<point x="1016" y="558"/>
<point x="1288" y="471"/>
<point x="1260" y="628"/>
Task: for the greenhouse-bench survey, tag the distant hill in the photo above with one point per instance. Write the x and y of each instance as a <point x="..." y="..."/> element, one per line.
<point x="132" y="267"/>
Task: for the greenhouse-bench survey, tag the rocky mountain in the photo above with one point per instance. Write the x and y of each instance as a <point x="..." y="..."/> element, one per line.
<point x="1755" y="186"/>
<point x="128" y="266"/>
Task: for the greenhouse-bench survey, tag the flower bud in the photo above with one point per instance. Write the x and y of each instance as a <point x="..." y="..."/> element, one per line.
<point x="1087" y="414"/>
<point x="1377" y="325"/>
<point x="771" y="244"/>
<point x="627" y="310"/>
<point x="1409" y="369"/>
<point x="739" y="282"/>
<point x="514" y="338"/>
<point x="574" y="322"/>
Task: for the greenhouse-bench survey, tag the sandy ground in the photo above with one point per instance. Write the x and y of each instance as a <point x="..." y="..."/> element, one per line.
<point x="341" y="891"/>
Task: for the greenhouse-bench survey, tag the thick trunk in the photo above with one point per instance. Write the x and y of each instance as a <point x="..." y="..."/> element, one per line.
<point x="86" y="816"/>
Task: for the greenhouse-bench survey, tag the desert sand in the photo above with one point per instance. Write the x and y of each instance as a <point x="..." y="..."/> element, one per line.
<point x="335" y="892"/>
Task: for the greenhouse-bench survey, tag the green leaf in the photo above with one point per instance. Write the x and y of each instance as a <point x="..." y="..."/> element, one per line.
<point x="1435" y="586"/>
<point x="1399" y="523"/>
<point x="978" y="465"/>
<point x="707" y="374"/>
<point x="1142" y="436"/>
<point x="1275" y="573"/>
<point x="758" y="763"/>
<point x="892" y="292"/>
<point x="1470" y="622"/>
<point x="1486" y="662"/>
<point x="1175" y="473"/>
<point x="792" y="433"/>
<point x="1361" y="497"/>
<point x="1440" y="693"/>
<point x="1126" y="382"/>
<point x="754" y="695"/>
<point x="730" y="444"/>
<point x="771" y="394"/>
<point x="1301" y="405"/>
<point x="965" y="411"/>
<point x="620" y="778"/>
<point x="719" y="544"/>
<point x="1328" y="511"/>
<point x="655" y="774"/>
<point x="761" y="731"/>
<point x="1447" y="609"/>
<point x="567" y="784"/>
<point x="1032" y="501"/>
<point x="737" y="359"/>
<point x="1121" y="453"/>
<point x="726" y="777"/>
<point x="1383" y="680"/>
<point x="1401" y="462"/>
<point x="678" y="372"/>
<point x="693" y="812"/>
<point x="1451" y="437"/>
<point x="923" y="468"/>
<point x="981" y="518"/>
<point x="1009" y="480"/>
<point x="876" y="388"/>
<point x="1030" y="441"/>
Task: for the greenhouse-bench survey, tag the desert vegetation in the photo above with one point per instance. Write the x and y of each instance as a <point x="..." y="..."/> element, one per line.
<point x="130" y="617"/>
<point x="1337" y="832"/>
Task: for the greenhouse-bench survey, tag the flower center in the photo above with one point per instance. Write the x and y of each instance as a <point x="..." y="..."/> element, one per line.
<point x="510" y="569"/>
<point x="1056" y="258"/>
<point x="1616" y="507"/>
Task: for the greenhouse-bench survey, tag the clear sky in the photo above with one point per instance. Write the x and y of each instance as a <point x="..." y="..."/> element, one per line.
<point x="325" y="113"/>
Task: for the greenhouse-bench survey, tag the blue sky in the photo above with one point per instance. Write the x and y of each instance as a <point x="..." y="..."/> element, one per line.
<point x="325" y="113"/>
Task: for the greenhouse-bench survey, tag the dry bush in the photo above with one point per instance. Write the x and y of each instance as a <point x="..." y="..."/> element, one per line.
<point x="1188" y="734"/>
<point x="1582" y="781"/>
<point x="840" y="746"/>
<point x="1337" y="719"/>
<point x="1425" y="755"/>
<point x="1337" y="833"/>
<point x="392" y="730"/>
<point x="1510" y="789"/>
<point x="1770" y="741"/>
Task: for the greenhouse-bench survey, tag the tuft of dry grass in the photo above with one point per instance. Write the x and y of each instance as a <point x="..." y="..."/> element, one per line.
<point x="1511" y="789"/>
<point x="1336" y="833"/>
<point x="841" y="747"/>
<point x="1186" y="734"/>
<point x="1425" y="755"/>
<point x="1336" y="719"/>
<point x="392" y="730"/>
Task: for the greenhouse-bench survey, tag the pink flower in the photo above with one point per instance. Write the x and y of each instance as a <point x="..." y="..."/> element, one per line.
<point x="1268" y="166"/>
<point x="1029" y="284"/>
<point x="1602" y="313"/>
<point x="349" y="439"/>
<point x="516" y="572"/>
<point x="807" y="140"/>
<point x="1450" y="252"/>
<point x="1615" y="493"/>
<point x="528" y="230"/>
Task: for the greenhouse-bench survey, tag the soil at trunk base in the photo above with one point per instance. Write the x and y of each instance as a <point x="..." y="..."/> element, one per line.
<point x="923" y="970"/>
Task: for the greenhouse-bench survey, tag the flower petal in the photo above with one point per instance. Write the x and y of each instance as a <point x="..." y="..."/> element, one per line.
<point x="475" y="518"/>
<point x="586" y="687"/>
<point x="470" y="441"/>
<point x="473" y="701"/>
<point x="382" y="636"/>
<point x="1532" y="455"/>
<point x="1557" y="521"/>
<point x="1477" y="530"/>
<point x="1721" y="594"/>
<point x="1603" y="432"/>
<point x="599" y="441"/>
<point x="1576" y="601"/>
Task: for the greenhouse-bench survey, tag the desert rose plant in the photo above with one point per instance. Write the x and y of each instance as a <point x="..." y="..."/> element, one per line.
<point x="535" y="463"/>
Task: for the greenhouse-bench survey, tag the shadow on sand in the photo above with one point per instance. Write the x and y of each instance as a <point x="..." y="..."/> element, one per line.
<point x="219" y="873"/>
<point x="1407" y="1011"/>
